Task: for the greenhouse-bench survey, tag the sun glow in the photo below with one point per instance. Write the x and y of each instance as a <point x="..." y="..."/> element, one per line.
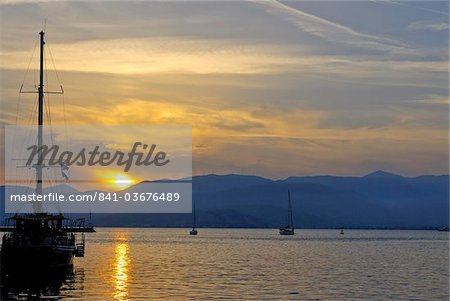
<point x="122" y="181"/>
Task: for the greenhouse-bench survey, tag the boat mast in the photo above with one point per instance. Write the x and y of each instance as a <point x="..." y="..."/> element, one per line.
<point x="290" y="220"/>
<point x="195" y="220"/>
<point x="37" y="205"/>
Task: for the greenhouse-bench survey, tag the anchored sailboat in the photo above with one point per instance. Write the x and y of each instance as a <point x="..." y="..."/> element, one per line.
<point x="194" y="224"/>
<point x="289" y="229"/>
<point x="39" y="238"/>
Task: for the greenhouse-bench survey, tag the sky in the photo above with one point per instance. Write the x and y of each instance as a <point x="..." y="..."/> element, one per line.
<point x="272" y="88"/>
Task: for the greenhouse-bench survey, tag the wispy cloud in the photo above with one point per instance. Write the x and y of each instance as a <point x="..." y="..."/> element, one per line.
<point x="335" y="32"/>
<point x="428" y="25"/>
<point x="432" y="100"/>
<point x="411" y="5"/>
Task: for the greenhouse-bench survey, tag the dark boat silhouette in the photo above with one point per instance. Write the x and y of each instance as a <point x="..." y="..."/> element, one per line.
<point x="194" y="222"/>
<point x="289" y="229"/>
<point x="41" y="240"/>
<point x="36" y="284"/>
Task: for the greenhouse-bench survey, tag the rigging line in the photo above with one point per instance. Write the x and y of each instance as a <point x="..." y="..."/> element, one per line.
<point x="27" y="189"/>
<point x="26" y="135"/>
<point x="32" y="128"/>
<point x="29" y="63"/>
<point x="47" y="111"/>
<point x="54" y="65"/>
<point x="34" y="78"/>
<point x="47" y="114"/>
<point x="66" y="138"/>
<point x="57" y="188"/>
<point x="23" y="80"/>
<point x="49" y="174"/>
<point x="17" y="109"/>
<point x="51" y="186"/>
<point x="30" y="132"/>
<point x="32" y="112"/>
<point x="30" y="121"/>
<point x="45" y="180"/>
<point x="63" y="97"/>
<point x="15" y="127"/>
<point x="47" y="101"/>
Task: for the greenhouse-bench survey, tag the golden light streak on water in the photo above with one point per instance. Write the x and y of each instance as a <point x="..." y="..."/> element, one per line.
<point x="121" y="272"/>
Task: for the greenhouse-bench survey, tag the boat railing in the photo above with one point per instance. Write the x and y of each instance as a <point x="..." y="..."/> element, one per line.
<point x="21" y="239"/>
<point x="79" y="246"/>
<point x="77" y="225"/>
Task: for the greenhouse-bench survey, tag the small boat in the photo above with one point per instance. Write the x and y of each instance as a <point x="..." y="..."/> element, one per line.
<point x="194" y="224"/>
<point x="443" y="229"/>
<point x="289" y="229"/>
<point x="342" y="231"/>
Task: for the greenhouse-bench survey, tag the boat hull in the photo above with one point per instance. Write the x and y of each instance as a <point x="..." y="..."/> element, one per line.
<point x="45" y="256"/>
<point x="287" y="232"/>
<point x="34" y="282"/>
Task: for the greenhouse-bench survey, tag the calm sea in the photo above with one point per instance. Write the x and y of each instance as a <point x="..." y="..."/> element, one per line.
<point x="248" y="264"/>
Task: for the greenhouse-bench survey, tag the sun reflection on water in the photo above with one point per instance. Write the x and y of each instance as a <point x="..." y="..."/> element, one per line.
<point x="121" y="266"/>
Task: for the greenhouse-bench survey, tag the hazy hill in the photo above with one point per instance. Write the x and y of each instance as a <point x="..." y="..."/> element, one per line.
<point x="377" y="200"/>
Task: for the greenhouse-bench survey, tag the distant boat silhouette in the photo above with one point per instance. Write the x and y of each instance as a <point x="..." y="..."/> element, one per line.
<point x="289" y="229"/>
<point x="194" y="224"/>
<point x="443" y="229"/>
<point x="342" y="231"/>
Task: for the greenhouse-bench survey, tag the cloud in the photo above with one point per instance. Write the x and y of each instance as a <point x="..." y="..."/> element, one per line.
<point x="432" y="99"/>
<point x="428" y="25"/>
<point x="162" y="55"/>
<point x="268" y="89"/>
<point x="416" y="7"/>
<point x="335" y="32"/>
<point x="360" y="119"/>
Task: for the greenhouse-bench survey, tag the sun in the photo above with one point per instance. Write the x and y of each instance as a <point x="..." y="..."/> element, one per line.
<point x="122" y="181"/>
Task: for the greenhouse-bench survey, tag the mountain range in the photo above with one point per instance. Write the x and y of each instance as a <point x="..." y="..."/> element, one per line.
<point x="377" y="200"/>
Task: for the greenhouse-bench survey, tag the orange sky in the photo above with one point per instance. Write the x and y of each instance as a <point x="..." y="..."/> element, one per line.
<point x="270" y="88"/>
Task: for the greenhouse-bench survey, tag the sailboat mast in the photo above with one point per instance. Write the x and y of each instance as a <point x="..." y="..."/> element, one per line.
<point x="39" y="167"/>
<point x="195" y="219"/>
<point x="290" y="220"/>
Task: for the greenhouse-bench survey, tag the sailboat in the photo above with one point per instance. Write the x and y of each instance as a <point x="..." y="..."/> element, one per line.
<point x="39" y="238"/>
<point x="289" y="229"/>
<point x="194" y="224"/>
